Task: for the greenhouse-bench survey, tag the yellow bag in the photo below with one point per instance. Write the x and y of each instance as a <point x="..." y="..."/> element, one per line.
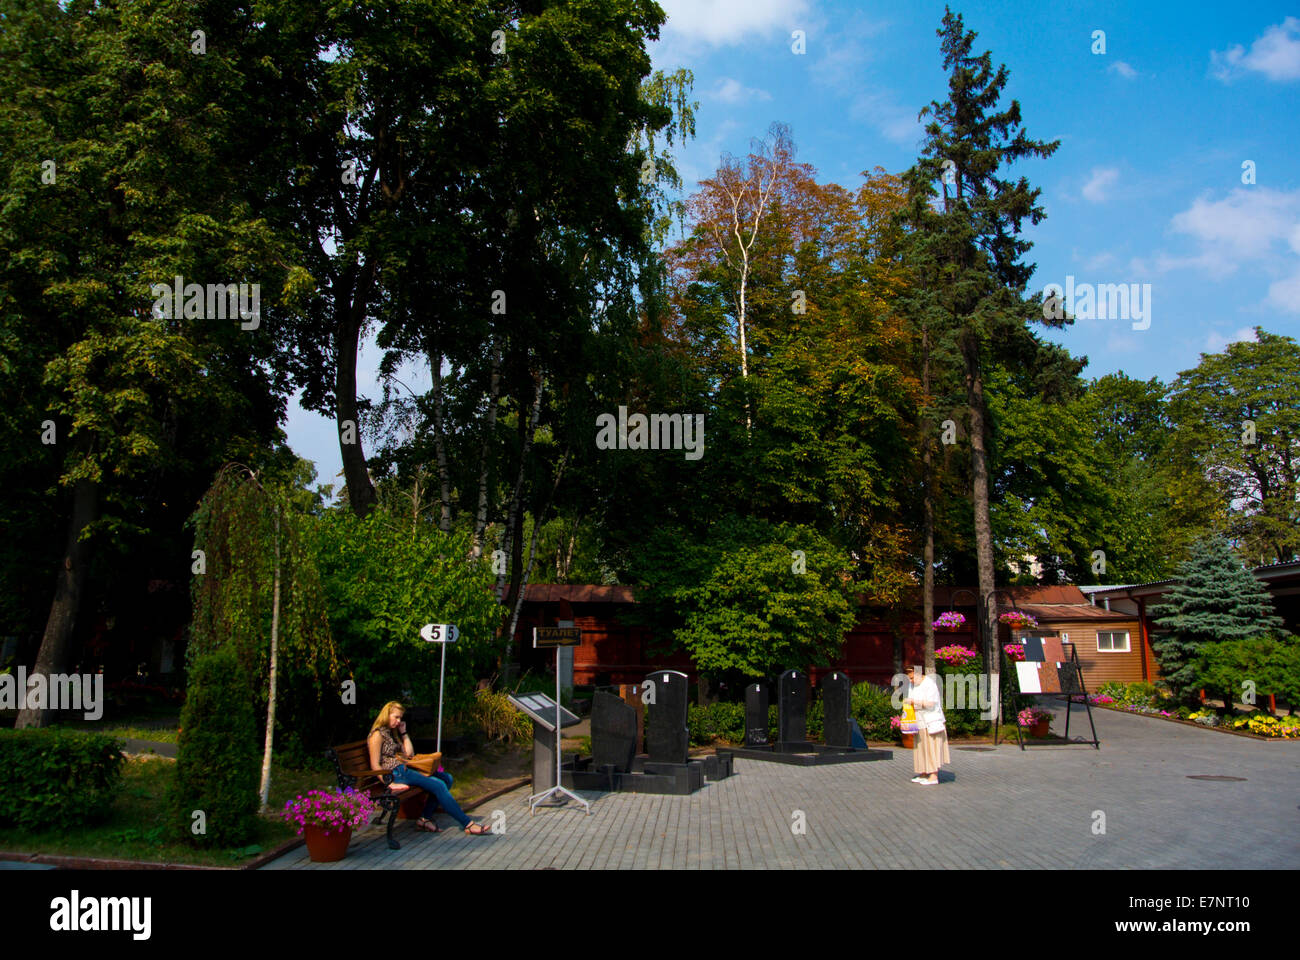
<point x="909" y="724"/>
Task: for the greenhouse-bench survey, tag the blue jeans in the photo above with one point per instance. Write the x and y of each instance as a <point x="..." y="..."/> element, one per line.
<point x="437" y="787"/>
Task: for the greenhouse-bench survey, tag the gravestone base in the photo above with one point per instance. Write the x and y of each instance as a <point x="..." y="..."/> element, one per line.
<point x="646" y="776"/>
<point x="805" y="754"/>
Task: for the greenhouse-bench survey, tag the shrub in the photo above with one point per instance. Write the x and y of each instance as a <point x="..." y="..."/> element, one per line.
<point x="871" y="707"/>
<point x="499" y="719"/>
<point x="55" y="776"/>
<point x="218" y="760"/>
<point x="1271" y="662"/>
<point x="1141" y="693"/>
<point x="718" y="721"/>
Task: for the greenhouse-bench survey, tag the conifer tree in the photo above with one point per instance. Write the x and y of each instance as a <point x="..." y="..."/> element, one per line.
<point x="1215" y="599"/>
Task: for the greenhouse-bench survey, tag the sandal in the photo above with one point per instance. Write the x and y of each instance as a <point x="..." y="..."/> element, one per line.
<point x="481" y="831"/>
<point x="427" y="826"/>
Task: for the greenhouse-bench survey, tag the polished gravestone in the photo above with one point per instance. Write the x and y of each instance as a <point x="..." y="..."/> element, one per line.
<point x="755" y="715"/>
<point x="792" y="746"/>
<point x="614" y="764"/>
<point x="836" y="692"/>
<point x="667" y="739"/>
<point x="792" y="707"/>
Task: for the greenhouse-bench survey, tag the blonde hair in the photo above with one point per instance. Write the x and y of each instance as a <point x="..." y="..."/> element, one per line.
<point x="381" y="721"/>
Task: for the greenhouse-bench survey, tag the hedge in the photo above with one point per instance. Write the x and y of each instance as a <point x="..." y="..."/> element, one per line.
<point x="53" y="776"/>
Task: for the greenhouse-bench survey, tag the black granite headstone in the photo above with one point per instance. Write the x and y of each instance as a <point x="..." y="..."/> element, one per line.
<point x="1070" y="682"/>
<point x="755" y="715"/>
<point x="836" y="690"/>
<point x="792" y="707"/>
<point x="613" y="732"/>
<point x="666" y="737"/>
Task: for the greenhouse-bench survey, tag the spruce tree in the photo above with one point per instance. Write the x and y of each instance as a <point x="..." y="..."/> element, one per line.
<point x="1215" y="599"/>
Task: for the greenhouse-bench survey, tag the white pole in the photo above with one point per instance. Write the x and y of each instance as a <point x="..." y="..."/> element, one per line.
<point x="442" y="670"/>
<point x="558" y="756"/>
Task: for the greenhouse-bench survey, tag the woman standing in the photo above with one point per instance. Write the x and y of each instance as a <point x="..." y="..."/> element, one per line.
<point x="931" y="732"/>
<point x="389" y="746"/>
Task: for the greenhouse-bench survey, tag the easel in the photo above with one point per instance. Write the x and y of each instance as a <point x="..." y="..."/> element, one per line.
<point x="1081" y="691"/>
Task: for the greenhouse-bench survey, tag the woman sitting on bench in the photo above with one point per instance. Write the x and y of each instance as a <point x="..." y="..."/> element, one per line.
<point x="389" y="745"/>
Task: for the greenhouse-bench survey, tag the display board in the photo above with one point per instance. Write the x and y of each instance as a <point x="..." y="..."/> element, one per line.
<point x="541" y="709"/>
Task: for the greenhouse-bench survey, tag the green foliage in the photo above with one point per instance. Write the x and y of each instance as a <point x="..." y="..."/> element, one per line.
<point x="56" y="776"/>
<point x="218" y="760"/>
<point x="872" y="708"/>
<point x="499" y="719"/>
<point x="721" y="721"/>
<point x="1215" y="599"/>
<point x="384" y="578"/>
<point x="1238" y="419"/>
<point x="250" y="532"/>
<point x="1272" y="662"/>
<point x="742" y="610"/>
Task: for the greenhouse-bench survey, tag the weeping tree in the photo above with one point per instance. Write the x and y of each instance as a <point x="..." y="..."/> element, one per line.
<point x="257" y="592"/>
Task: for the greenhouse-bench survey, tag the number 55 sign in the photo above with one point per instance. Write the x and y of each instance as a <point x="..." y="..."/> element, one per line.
<point x="440" y="632"/>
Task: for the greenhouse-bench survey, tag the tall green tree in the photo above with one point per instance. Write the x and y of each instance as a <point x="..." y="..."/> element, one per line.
<point x="1215" y="599"/>
<point x="124" y="149"/>
<point x="967" y="247"/>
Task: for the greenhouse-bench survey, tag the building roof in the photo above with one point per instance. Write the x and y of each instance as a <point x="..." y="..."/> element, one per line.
<point x="579" y="593"/>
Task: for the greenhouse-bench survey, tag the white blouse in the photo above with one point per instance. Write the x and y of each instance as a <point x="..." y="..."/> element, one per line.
<point x="927" y="691"/>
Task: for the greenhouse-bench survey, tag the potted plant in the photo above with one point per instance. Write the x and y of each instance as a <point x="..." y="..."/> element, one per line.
<point x="1036" y="719"/>
<point x="1015" y="652"/>
<point x="327" y="818"/>
<point x="1018" y="620"/>
<point x="955" y="655"/>
<point x="952" y="620"/>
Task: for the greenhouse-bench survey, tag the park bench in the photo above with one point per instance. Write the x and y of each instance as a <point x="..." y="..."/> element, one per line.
<point x="352" y="764"/>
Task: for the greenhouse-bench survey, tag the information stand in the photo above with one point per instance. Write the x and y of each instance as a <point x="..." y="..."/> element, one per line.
<point x="538" y="706"/>
<point x="1064" y="677"/>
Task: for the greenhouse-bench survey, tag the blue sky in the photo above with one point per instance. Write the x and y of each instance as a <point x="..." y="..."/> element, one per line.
<point x="1145" y="188"/>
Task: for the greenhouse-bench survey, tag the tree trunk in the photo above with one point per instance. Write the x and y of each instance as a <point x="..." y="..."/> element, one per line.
<point x="516" y="498"/>
<point x="532" y="547"/>
<point x="980" y="500"/>
<point x="68" y="590"/>
<point x="927" y="503"/>
<point x="494" y="392"/>
<point x="350" y="311"/>
<point x="270" y="698"/>
<point x="439" y="446"/>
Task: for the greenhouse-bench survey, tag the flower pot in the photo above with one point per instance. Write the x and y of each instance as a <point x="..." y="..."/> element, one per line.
<point x="1039" y="728"/>
<point x="326" y="848"/>
<point x="908" y="741"/>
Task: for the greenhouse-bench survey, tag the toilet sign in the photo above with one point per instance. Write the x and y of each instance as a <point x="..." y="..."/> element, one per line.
<point x="440" y="632"/>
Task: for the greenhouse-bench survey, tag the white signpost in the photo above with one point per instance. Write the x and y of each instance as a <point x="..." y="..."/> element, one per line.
<point x="441" y="633"/>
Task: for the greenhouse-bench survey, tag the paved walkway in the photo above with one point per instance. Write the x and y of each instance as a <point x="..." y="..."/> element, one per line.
<point x="994" y="809"/>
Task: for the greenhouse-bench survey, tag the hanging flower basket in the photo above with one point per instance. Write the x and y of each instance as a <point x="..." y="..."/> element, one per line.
<point x="1018" y="620"/>
<point x="1015" y="652"/>
<point x="951" y="620"/>
<point x="955" y="655"/>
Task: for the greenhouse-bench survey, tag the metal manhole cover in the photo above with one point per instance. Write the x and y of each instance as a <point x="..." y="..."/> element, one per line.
<point x="1206" y="776"/>
<point x="976" y="749"/>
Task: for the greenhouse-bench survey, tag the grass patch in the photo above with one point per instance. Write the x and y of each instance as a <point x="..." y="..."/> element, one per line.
<point x="135" y="830"/>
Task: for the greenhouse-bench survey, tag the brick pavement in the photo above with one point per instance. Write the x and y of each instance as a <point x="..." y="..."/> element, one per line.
<point x="993" y="810"/>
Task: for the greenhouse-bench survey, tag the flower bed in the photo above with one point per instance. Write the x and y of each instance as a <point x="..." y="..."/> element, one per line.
<point x="1261" y="726"/>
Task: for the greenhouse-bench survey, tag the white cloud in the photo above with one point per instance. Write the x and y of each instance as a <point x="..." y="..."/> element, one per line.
<point x="1123" y="69"/>
<point x="730" y="90"/>
<point x="1099" y="261"/>
<point x="1276" y="54"/>
<point x="1096" y="190"/>
<point x="724" y="23"/>
<point x="1244" y="226"/>
<point x="1215" y="341"/>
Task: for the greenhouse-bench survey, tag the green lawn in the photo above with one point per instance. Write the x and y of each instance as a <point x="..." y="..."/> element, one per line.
<point x="134" y="828"/>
